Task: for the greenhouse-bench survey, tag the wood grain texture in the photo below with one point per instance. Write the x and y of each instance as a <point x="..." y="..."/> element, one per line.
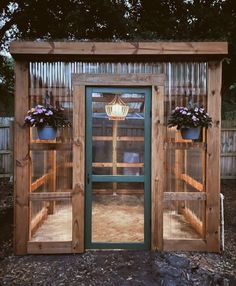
<point x="21" y="160"/>
<point x="118" y="48"/>
<point x="213" y="158"/>
<point x="157" y="170"/>
<point x="78" y="170"/>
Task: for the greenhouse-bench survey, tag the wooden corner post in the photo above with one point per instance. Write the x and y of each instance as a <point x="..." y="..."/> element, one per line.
<point x="158" y="161"/>
<point x="213" y="158"/>
<point x="21" y="159"/>
<point x="78" y="169"/>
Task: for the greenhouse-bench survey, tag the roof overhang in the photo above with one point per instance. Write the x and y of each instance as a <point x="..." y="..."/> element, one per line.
<point x="118" y="51"/>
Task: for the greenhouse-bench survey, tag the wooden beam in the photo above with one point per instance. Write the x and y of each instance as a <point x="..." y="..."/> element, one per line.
<point x="52" y="161"/>
<point x="184" y="196"/>
<point x="118" y="191"/>
<point x="78" y="169"/>
<point x="114" y="152"/>
<point x="184" y="245"/>
<point x="55" y="247"/>
<point x="194" y="221"/>
<point x="213" y="158"/>
<point x="21" y="160"/>
<point x="118" y="165"/>
<point x="119" y="48"/>
<point x="39" y="145"/>
<point x="192" y="182"/>
<point x="119" y="138"/>
<point x="38" y="220"/>
<point x="39" y="182"/>
<point x="158" y="177"/>
<point x="50" y="196"/>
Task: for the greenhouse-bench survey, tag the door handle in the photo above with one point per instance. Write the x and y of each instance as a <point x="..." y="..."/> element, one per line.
<point x="88" y="179"/>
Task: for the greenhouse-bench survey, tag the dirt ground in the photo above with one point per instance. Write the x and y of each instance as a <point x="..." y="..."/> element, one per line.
<point x="119" y="267"/>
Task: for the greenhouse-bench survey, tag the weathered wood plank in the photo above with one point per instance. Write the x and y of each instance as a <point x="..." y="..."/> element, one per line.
<point x="78" y="169"/>
<point x="119" y="48"/>
<point x="21" y="160"/>
<point x="213" y="158"/>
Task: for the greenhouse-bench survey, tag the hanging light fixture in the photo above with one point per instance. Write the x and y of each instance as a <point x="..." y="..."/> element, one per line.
<point x="117" y="109"/>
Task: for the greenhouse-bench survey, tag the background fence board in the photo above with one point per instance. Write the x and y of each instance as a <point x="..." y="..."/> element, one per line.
<point x="6" y="147"/>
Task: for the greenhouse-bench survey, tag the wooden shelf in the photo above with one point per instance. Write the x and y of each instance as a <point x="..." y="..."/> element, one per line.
<point x="184" y="145"/>
<point x="40" y="145"/>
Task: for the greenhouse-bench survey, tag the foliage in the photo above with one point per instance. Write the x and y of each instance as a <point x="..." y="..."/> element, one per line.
<point x="6" y="86"/>
<point x="189" y="117"/>
<point x="41" y="116"/>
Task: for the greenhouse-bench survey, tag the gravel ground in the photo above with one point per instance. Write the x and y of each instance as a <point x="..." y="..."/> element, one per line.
<point x="119" y="267"/>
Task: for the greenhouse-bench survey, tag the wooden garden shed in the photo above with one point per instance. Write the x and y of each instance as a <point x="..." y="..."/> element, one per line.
<point x="117" y="184"/>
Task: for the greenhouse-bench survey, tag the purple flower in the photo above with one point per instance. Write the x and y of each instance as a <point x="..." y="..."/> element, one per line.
<point x="41" y="120"/>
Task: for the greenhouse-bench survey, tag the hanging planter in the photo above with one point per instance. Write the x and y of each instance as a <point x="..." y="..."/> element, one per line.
<point x="47" y="133"/>
<point x="190" y="133"/>
<point x="46" y="119"/>
<point x="189" y="120"/>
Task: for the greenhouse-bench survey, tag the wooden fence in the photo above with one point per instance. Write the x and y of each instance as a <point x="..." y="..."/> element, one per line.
<point x="228" y="149"/>
<point x="6" y="147"/>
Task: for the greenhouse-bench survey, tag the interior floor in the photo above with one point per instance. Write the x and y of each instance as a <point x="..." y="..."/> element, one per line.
<point x="114" y="219"/>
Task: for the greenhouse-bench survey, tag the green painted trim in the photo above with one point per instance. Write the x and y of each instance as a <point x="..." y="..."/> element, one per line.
<point x="110" y="178"/>
<point x="118" y="178"/>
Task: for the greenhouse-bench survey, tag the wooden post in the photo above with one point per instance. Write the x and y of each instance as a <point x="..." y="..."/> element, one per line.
<point x="52" y="179"/>
<point x="157" y="169"/>
<point x="21" y="160"/>
<point x="114" y="152"/>
<point x="78" y="169"/>
<point x="213" y="158"/>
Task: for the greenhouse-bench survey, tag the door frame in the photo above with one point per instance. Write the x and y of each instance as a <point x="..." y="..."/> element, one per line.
<point x="80" y="82"/>
<point x="90" y="178"/>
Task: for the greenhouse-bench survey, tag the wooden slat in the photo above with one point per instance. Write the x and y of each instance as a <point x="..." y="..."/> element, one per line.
<point x="213" y="158"/>
<point x="193" y="220"/>
<point x="184" y="145"/>
<point x="78" y="169"/>
<point x="21" y="160"/>
<point x="52" y="161"/>
<point x="118" y="165"/>
<point x="119" y="138"/>
<point x="184" y="245"/>
<point x="39" y="182"/>
<point x="157" y="170"/>
<point x="119" y="48"/>
<point x="55" y="247"/>
<point x="38" y="220"/>
<point x="184" y="196"/>
<point x="48" y="196"/>
<point x="192" y="182"/>
<point x="38" y="145"/>
<point x="118" y="191"/>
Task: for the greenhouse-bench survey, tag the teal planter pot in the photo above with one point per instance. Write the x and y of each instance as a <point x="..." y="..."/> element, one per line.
<point x="47" y="133"/>
<point x="191" y="133"/>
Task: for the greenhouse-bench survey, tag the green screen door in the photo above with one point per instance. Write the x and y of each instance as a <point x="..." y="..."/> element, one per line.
<point x="117" y="169"/>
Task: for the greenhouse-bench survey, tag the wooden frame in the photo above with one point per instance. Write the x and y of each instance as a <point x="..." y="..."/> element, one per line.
<point x="208" y="190"/>
<point x="156" y="82"/>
